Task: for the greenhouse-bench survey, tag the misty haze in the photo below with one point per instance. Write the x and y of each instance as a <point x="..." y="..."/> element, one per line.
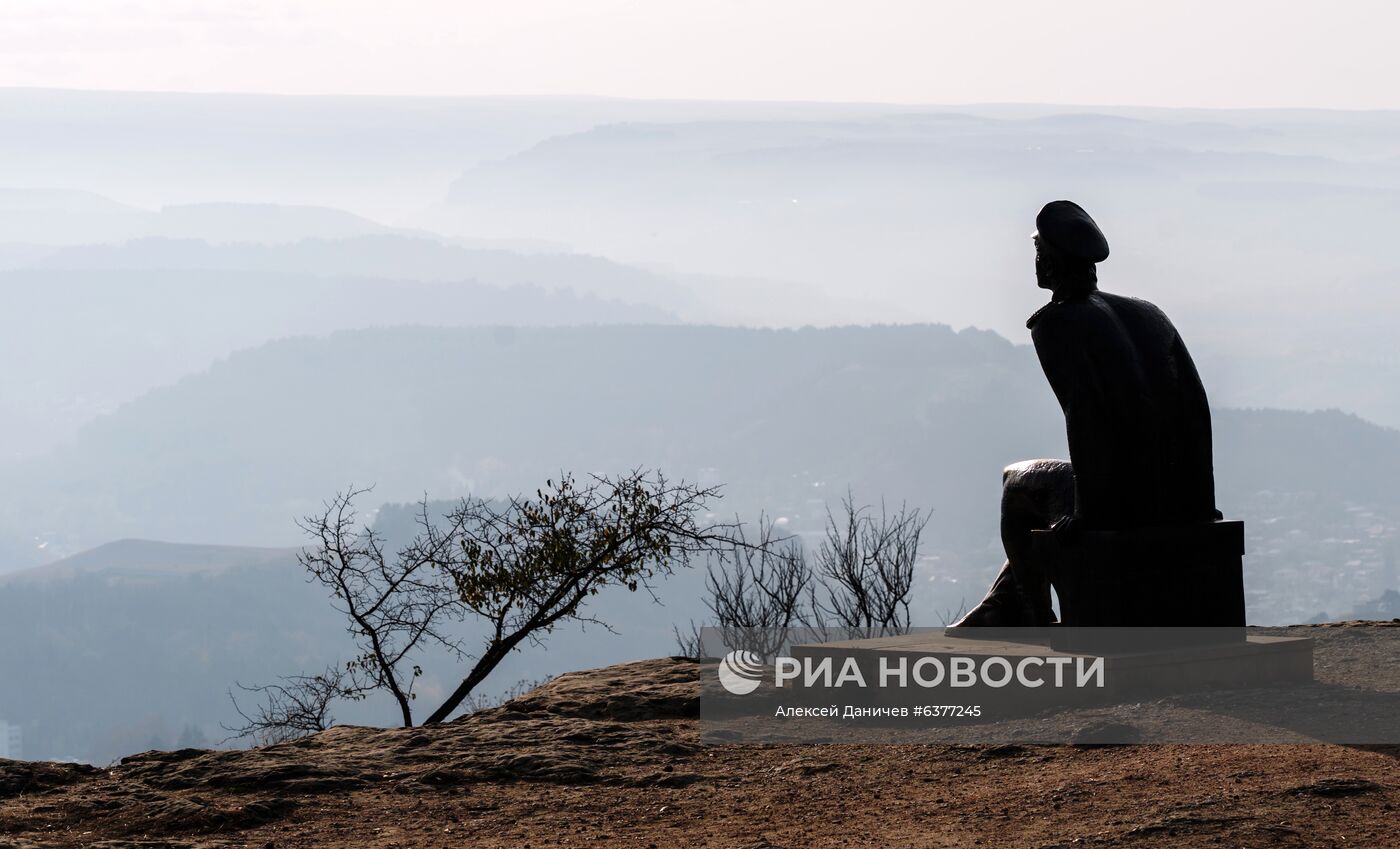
<point x="223" y="310"/>
<point x="699" y="423"/>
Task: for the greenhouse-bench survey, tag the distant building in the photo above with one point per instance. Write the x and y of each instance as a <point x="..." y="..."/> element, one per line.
<point x="11" y="741"/>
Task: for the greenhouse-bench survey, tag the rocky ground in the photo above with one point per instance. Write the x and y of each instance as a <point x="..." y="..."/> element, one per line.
<point x="612" y="757"/>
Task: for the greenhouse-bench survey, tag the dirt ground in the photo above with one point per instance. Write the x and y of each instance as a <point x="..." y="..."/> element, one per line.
<point x="612" y="757"/>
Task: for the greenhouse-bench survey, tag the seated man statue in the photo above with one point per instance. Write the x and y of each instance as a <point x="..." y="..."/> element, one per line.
<point x="1135" y="412"/>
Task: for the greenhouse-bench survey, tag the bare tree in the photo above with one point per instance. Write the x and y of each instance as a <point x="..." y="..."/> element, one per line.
<point x="866" y="570"/>
<point x="861" y="585"/>
<point x="755" y="593"/>
<point x="296" y="706"/>
<point x="393" y="606"/>
<point x="689" y="643"/>
<point x="528" y="566"/>
<point x="520" y="568"/>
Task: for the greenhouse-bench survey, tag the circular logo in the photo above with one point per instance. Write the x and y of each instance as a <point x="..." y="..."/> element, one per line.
<point x="741" y="672"/>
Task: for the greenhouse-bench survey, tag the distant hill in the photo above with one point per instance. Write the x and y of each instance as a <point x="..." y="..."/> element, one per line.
<point x="1263" y="234"/>
<point x="138" y="558"/>
<point x="260" y="222"/>
<point x="1386" y="606"/>
<point x="124" y="646"/>
<point x="87" y="329"/>
<point x="237" y="452"/>
<point x="67" y="217"/>
<point x="70" y="201"/>
<point x="381" y="256"/>
<point x="786" y="419"/>
<point x="700" y="298"/>
<point x="158" y="309"/>
<point x="378" y="156"/>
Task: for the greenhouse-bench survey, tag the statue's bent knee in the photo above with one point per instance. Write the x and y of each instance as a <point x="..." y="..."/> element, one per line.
<point x="1037" y="493"/>
<point x="1034" y="494"/>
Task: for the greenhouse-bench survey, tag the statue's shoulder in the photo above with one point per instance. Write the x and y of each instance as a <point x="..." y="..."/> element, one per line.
<point x="1141" y="314"/>
<point x="1094" y="308"/>
<point x="1129" y="304"/>
<point x="1038" y="315"/>
<point x="1064" y="312"/>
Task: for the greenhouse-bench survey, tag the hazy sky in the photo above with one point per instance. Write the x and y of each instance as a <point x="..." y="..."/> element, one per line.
<point x="1179" y="53"/>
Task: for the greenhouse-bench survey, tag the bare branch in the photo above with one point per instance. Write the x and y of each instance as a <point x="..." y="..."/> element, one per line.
<point x="689" y="643"/>
<point x="756" y="589"/>
<point x="393" y="606"/>
<point x="866" y="568"/>
<point x="296" y="706"/>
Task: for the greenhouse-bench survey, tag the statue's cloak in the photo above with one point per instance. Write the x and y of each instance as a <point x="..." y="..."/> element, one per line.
<point x="1136" y="413"/>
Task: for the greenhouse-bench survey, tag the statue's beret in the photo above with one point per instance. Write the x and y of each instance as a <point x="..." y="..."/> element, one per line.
<point x="1070" y="232"/>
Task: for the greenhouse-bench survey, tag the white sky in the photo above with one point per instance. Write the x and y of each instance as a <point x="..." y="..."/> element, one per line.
<point x="1227" y="53"/>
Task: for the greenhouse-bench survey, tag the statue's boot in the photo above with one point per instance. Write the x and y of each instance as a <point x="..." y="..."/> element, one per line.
<point x="1033" y="591"/>
<point x="1002" y="607"/>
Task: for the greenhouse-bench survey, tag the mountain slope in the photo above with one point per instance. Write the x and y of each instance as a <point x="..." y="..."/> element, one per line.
<point x="137" y="558"/>
<point x="89" y="330"/>
<point x="236" y="452"/>
<point x="787" y="420"/>
<point x="127" y="646"/>
<point x="1264" y="234"/>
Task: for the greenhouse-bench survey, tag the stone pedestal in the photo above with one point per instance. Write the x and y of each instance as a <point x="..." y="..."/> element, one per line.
<point x="1183" y="576"/>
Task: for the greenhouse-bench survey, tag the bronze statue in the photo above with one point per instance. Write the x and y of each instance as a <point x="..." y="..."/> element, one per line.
<point x="1135" y="413"/>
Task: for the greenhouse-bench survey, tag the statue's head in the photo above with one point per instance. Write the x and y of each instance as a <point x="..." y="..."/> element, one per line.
<point x="1067" y="246"/>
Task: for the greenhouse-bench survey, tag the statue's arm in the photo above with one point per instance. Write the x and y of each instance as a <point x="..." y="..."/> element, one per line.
<point x="1065" y="350"/>
<point x="1199" y="434"/>
<point x="1065" y="361"/>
